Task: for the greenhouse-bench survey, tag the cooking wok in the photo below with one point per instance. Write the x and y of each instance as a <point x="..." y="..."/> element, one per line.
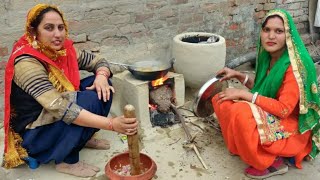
<point x="147" y="70"/>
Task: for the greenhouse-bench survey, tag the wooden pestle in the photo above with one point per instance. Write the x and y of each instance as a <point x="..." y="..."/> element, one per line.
<point x="133" y="143"/>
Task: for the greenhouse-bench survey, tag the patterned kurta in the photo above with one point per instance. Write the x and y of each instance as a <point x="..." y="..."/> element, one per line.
<point x="260" y="132"/>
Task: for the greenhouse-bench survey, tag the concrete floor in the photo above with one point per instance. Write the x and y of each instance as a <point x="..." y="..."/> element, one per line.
<point x="173" y="161"/>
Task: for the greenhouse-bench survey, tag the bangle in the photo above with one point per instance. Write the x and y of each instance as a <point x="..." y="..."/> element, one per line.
<point x="254" y="97"/>
<point x="110" y="124"/>
<point x="245" y="80"/>
<point x="103" y="73"/>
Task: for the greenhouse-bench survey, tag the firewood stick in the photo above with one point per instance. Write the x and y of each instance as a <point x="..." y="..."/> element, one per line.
<point x="199" y="156"/>
<point x="133" y="143"/>
<point x="183" y="123"/>
<point x="190" y="138"/>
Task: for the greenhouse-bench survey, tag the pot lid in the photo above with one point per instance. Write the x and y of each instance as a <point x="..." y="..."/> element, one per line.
<point x="202" y="106"/>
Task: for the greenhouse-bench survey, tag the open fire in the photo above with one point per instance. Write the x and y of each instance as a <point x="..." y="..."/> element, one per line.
<point x="161" y="96"/>
<point x="159" y="81"/>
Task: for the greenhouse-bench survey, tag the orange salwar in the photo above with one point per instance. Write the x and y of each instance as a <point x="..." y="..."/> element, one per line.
<point x="240" y="130"/>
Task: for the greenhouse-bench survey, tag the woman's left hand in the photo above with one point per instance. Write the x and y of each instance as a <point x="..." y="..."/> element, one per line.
<point x="102" y="87"/>
<point x="231" y="94"/>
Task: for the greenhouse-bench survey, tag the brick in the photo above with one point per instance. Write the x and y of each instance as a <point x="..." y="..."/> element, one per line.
<point x="300" y="26"/>
<point x="87" y="45"/>
<point x="79" y="38"/>
<point x="138" y="28"/>
<point x="234" y="10"/>
<point x="230" y="42"/>
<point x="2" y="65"/>
<point x="294" y="6"/>
<point x="125" y="29"/>
<point x="187" y="18"/>
<point x="304" y="18"/>
<point x="198" y="17"/>
<point x="138" y="35"/>
<point x="116" y="41"/>
<point x="261" y="1"/>
<point x="139" y="18"/>
<point x="269" y="6"/>
<point x="298" y="12"/>
<point x="259" y="7"/>
<point x="129" y="7"/>
<point x="259" y="15"/>
<point x="292" y="1"/>
<point x="74" y="26"/>
<point x="172" y="21"/>
<point x="209" y="7"/>
<point x="88" y="26"/>
<point x="187" y="9"/>
<point x="232" y="3"/>
<point x="234" y="26"/>
<point x="4" y="51"/>
<point x="306" y="39"/>
<point x="96" y="13"/>
<point x="109" y="31"/>
<point x="155" y="24"/>
<point x="242" y="2"/>
<point x="305" y="4"/>
<point x="167" y="12"/>
<point x="175" y="2"/>
<point x="156" y="5"/>
<point x="119" y="19"/>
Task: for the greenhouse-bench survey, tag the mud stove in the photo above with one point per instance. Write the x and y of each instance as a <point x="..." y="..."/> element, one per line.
<point x="147" y="97"/>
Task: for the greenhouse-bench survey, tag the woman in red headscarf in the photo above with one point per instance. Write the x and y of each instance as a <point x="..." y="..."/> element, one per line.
<point x="49" y="113"/>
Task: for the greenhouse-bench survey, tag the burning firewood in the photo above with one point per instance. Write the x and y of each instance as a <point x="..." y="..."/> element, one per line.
<point x="162" y="97"/>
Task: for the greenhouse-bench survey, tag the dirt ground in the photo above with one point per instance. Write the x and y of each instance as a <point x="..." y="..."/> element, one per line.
<point x="173" y="161"/>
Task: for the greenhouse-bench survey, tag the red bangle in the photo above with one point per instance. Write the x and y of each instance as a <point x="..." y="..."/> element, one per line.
<point x="110" y="124"/>
<point x="103" y="72"/>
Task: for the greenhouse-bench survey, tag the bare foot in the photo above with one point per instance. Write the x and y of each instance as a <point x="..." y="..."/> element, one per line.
<point x="307" y="158"/>
<point x="79" y="169"/>
<point x="89" y="166"/>
<point x="98" y="144"/>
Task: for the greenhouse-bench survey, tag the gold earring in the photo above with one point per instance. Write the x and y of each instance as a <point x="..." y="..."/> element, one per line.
<point x="34" y="43"/>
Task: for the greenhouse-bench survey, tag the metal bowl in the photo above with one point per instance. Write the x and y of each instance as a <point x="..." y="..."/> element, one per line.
<point x="202" y="106"/>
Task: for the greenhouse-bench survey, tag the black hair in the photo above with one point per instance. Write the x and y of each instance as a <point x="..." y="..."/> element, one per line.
<point x="269" y="17"/>
<point x="35" y="23"/>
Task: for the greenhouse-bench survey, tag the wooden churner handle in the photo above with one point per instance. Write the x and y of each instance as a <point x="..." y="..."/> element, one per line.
<point x="133" y="143"/>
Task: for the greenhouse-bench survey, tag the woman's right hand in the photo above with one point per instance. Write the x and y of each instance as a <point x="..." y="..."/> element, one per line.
<point x="128" y="126"/>
<point x="227" y="73"/>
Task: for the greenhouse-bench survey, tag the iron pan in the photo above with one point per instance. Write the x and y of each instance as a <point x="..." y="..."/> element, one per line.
<point x="202" y="106"/>
<point x="148" y="76"/>
<point x="149" y="70"/>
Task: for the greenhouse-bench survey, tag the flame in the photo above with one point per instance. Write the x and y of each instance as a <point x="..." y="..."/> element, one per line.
<point x="153" y="106"/>
<point x="159" y="81"/>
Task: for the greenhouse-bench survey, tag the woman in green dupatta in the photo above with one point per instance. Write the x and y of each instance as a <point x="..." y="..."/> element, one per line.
<point x="279" y="117"/>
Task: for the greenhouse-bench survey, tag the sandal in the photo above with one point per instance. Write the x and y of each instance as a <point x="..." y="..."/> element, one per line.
<point x="98" y="144"/>
<point x="277" y="168"/>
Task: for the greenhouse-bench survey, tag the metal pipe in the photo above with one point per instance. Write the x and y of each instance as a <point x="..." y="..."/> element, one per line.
<point x="249" y="57"/>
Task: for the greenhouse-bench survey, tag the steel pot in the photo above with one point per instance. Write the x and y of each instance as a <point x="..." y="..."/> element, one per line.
<point x="202" y="106"/>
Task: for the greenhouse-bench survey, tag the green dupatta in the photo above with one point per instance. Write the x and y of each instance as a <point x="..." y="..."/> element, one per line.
<point x="304" y="72"/>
